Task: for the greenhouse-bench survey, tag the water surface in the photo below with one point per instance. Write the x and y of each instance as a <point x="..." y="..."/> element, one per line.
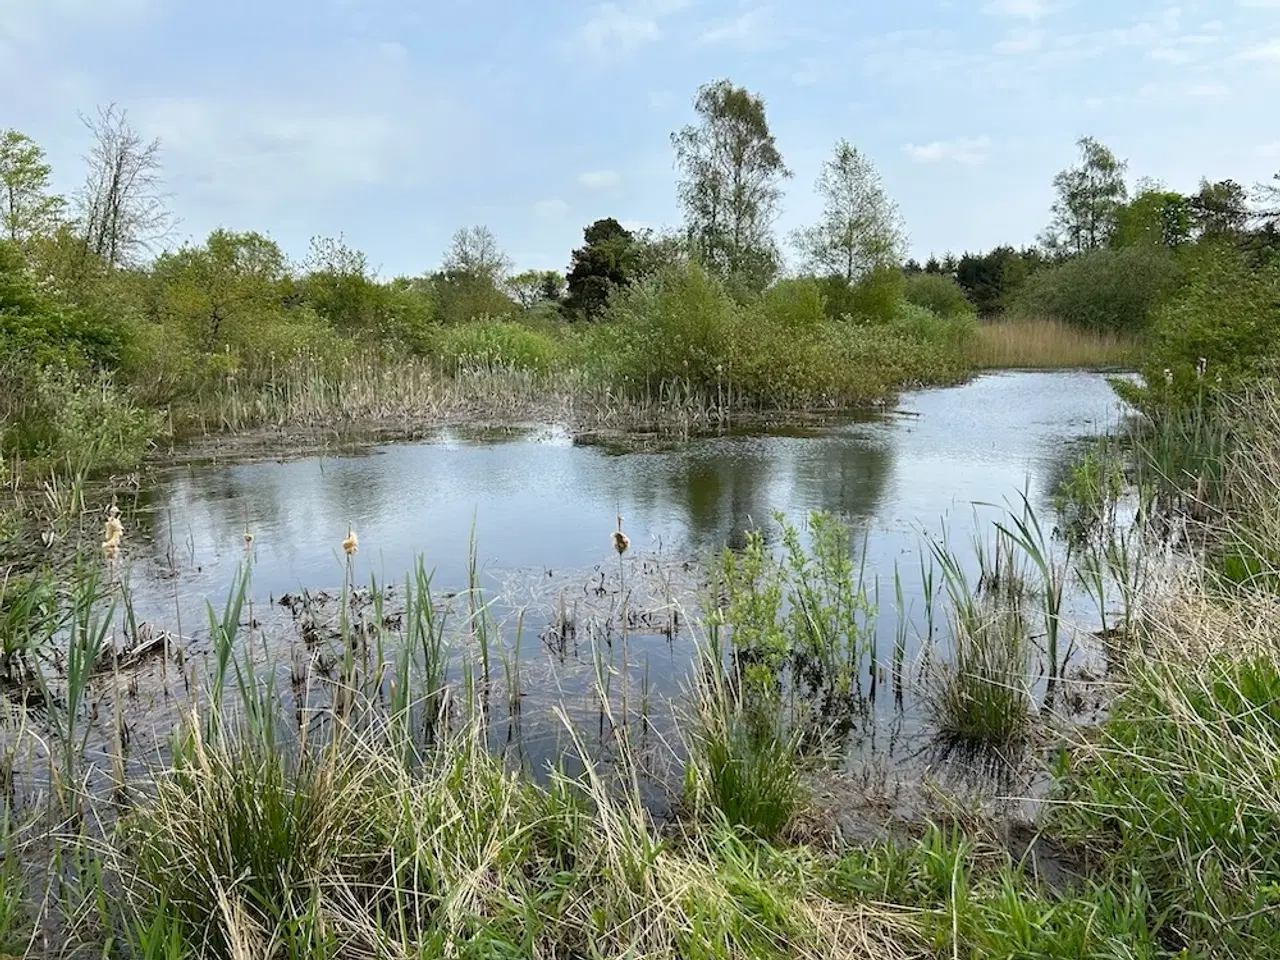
<point x="541" y="511"/>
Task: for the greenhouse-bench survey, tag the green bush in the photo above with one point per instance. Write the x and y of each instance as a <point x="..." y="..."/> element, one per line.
<point x="796" y="304"/>
<point x="36" y="328"/>
<point x="1116" y="290"/>
<point x="1221" y="334"/>
<point x="501" y="345"/>
<point x="946" y="331"/>
<point x="678" y="325"/>
<point x="84" y="420"/>
<point x="938" y="293"/>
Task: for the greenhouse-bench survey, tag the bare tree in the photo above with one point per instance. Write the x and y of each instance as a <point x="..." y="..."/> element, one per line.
<point x="474" y="253"/>
<point x="121" y="205"/>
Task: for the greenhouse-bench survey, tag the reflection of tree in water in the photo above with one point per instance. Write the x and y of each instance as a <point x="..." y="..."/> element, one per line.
<point x="846" y="476"/>
<point x="724" y="497"/>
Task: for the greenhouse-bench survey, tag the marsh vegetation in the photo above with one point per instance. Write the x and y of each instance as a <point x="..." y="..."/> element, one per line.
<point x="780" y="725"/>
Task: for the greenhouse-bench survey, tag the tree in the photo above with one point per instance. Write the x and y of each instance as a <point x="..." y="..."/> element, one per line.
<point x="596" y="270"/>
<point x="990" y="280"/>
<point x="27" y="208"/>
<point x="860" y="229"/>
<point x="1220" y="210"/>
<point x="1155" y="217"/>
<point x="534" y="287"/>
<point x="216" y="291"/>
<point x="121" y="207"/>
<point x="474" y="252"/>
<point x="731" y="183"/>
<point x="1090" y="196"/>
<point x="469" y="284"/>
<point x="340" y="287"/>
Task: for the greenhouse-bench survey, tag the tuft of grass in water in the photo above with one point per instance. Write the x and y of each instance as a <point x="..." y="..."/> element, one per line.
<point x="980" y="694"/>
<point x="744" y="764"/>
<point x="1049" y="345"/>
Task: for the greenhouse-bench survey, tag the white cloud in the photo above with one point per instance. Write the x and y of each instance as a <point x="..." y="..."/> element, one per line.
<point x="966" y="150"/>
<point x="552" y="209"/>
<point x="753" y="30"/>
<point x="617" y="30"/>
<point x="1263" y="51"/>
<point x="599" y="179"/>
<point x="1022" y="9"/>
<point x="1022" y="40"/>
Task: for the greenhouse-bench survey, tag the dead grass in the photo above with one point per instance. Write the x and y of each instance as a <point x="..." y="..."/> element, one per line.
<point x="1049" y="345"/>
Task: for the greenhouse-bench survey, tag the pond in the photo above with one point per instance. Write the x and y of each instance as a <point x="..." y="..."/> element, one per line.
<point x="540" y="511"/>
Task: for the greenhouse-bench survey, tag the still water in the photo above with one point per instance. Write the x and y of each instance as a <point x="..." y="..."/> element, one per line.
<point x="541" y="509"/>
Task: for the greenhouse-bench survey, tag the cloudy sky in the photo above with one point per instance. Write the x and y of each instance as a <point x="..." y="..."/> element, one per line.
<point x="394" y="122"/>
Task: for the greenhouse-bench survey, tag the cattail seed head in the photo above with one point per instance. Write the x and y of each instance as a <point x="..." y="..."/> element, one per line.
<point x="621" y="542"/>
<point x="351" y="545"/>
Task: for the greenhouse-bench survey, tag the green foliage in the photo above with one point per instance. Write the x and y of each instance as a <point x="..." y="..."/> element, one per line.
<point x="1115" y="290"/>
<point x="1090" y="197"/>
<point x="731" y="185"/>
<point x="950" y="333"/>
<point x="1219" y="335"/>
<point x="27" y="208"/>
<point x="942" y="295"/>
<point x="606" y="263"/>
<point x="36" y="328"/>
<point x="795" y="304"/>
<point x="806" y="610"/>
<point x="85" y="421"/>
<point x="872" y="299"/>
<point x="992" y="280"/>
<point x="1154" y="218"/>
<point x="216" y="294"/>
<point x="860" y="230"/>
<point x="496" y="346"/>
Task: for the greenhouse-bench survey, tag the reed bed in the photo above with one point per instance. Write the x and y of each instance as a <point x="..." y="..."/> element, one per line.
<point x="1050" y="345"/>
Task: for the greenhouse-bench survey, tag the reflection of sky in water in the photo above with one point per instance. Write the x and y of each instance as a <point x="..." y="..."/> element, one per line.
<point x="542" y="503"/>
<point x="547" y="503"/>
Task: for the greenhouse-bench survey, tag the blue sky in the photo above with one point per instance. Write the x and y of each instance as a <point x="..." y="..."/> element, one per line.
<point x="394" y="122"/>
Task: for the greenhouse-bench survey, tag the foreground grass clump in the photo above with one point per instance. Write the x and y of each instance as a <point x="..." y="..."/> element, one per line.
<point x="745" y="760"/>
<point x="974" y="900"/>
<point x="1050" y="345"/>
<point x="251" y="848"/>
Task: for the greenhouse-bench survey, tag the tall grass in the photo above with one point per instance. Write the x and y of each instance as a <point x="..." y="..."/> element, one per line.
<point x="744" y="758"/>
<point x="979" y="689"/>
<point x="1050" y="345"/>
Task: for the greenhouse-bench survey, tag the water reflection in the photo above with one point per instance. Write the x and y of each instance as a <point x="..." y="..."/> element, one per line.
<point x="540" y="507"/>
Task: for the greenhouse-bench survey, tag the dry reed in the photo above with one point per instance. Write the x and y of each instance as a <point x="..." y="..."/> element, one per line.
<point x="1048" y="345"/>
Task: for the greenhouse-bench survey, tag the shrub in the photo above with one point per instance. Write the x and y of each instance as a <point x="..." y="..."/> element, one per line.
<point x="941" y="294"/>
<point x="872" y="299"/>
<point x="1219" y="335"/>
<point x="1115" y="290"/>
<point x="488" y="346"/>
<point x="948" y="331"/>
<point x="675" y="326"/>
<point x="88" y="420"/>
<point x="796" y="304"/>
